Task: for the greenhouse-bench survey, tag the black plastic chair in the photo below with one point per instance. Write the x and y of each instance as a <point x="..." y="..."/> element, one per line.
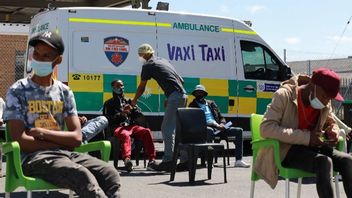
<point x="191" y="135"/>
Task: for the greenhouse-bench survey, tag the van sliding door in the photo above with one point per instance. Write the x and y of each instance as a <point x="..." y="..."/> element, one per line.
<point x="202" y="53"/>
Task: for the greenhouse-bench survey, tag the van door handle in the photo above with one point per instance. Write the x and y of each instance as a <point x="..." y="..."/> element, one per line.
<point x="249" y="88"/>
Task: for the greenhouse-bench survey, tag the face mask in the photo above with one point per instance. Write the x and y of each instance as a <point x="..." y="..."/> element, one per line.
<point x="200" y="98"/>
<point x="118" y="90"/>
<point x="41" y="68"/>
<point x="315" y="102"/>
<point x="141" y="59"/>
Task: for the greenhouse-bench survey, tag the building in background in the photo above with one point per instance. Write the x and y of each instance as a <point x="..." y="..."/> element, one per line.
<point x="342" y="66"/>
<point x="13" y="39"/>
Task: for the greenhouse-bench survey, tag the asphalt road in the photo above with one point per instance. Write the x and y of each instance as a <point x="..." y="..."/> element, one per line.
<point x="149" y="184"/>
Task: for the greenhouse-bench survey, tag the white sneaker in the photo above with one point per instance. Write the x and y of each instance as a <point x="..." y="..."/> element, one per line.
<point x="242" y="164"/>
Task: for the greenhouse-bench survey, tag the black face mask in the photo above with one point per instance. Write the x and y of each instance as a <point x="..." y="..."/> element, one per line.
<point x="200" y="98"/>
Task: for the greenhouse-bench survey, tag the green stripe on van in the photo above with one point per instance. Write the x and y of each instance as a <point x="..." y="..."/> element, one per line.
<point x="89" y="101"/>
<point x="232" y="87"/>
<point x="246" y="88"/>
<point x="130" y="82"/>
<point x="221" y="102"/>
<point x="190" y="84"/>
<point x="262" y="103"/>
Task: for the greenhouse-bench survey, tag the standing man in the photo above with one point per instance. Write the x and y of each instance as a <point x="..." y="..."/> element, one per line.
<point x="300" y="118"/>
<point x="123" y="118"/>
<point x="216" y="122"/>
<point x="37" y="109"/>
<point x="172" y="84"/>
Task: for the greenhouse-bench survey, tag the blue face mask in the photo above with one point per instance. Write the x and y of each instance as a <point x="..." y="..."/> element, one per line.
<point x="41" y="68"/>
<point x="118" y="90"/>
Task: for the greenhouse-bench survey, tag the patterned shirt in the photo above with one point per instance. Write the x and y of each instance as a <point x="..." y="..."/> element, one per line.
<point x="38" y="106"/>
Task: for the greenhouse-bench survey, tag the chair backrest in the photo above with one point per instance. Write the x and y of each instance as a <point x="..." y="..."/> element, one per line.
<point x="191" y="126"/>
<point x="255" y="121"/>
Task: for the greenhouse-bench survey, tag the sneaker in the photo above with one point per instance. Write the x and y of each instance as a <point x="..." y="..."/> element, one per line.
<point x="128" y="165"/>
<point x="242" y="164"/>
<point x="165" y="166"/>
<point x="152" y="165"/>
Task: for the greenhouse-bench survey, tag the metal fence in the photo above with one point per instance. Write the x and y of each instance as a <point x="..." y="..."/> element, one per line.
<point x="342" y="66"/>
<point x="12" y="60"/>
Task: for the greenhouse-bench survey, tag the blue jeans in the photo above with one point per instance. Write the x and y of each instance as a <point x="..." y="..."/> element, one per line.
<point x="231" y="132"/>
<point x="168" y="127"/>
<point x="94" y="126"/>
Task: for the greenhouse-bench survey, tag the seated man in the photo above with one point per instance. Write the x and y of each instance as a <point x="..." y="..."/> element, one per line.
<point x="91" y="128"/>
<point x="122" y="118"/>
<point x="216" y="122"/>
<point x="37" y="109"/>
<point x="300" y="118"/>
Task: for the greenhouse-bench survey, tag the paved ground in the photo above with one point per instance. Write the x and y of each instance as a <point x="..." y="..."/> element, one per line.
<point x="142" y="183"/>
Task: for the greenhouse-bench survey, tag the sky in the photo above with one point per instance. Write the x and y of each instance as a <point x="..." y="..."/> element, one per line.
<point x="307" y="29"/>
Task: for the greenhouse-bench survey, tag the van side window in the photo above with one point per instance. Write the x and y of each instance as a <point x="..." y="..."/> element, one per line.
<point x="258" y="62"/>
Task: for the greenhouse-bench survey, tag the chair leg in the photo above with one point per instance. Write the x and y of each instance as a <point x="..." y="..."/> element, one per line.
<point x="7" y="195"/>
<point x="210" y="155"/>
<point x="252" y="189"/>
<point x="299" y="187"/>
<point x="29" y="194"/>
<point x="174" y="162"/>
<point x="138" y="149"/>
<point x="287" y="190"/>
<point x="116" y="151"/>
<point x="228" y="152"/>
<point x="224" y="162"/>
<point x="192" y="164"/>
<point x="337" y="186"/>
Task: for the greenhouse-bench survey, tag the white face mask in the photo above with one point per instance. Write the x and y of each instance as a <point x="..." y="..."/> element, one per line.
<point x="141" y="59"/>
<point x="315" y="102"/>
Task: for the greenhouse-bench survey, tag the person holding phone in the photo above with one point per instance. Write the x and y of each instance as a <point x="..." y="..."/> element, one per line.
<point x="300" y="118"/>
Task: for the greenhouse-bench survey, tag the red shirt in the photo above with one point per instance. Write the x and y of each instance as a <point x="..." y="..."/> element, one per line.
<point x="307" y="115"/>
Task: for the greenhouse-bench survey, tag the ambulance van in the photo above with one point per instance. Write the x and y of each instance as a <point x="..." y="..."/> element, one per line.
<point x="238" y="68"/>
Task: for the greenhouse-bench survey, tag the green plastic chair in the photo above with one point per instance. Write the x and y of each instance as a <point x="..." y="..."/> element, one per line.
<point x="14" y="174"/>
<point x="259" y="142"/>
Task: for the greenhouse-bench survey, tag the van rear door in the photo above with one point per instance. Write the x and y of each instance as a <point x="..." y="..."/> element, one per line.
<point x="104" y="47"/>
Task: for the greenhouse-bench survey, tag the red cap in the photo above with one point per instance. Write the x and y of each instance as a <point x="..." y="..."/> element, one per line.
<point x="329" y="81"/>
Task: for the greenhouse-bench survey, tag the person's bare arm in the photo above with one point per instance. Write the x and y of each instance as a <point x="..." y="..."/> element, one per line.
<point x="70" y="139"/>
<point x="28" y="143"/>
<point x="139" y="92"/>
